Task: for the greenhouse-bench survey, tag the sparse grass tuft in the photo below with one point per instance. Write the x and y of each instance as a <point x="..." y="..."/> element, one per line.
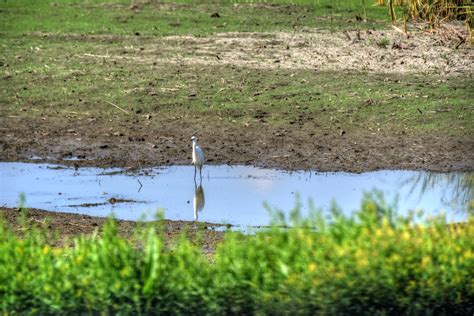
<point x="383" y="42"/>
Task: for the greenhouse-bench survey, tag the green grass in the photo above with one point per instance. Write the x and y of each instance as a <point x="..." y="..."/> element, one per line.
<point x="373" y="262"/>
<point x="180" y="17"/>
<point x="47" y="68"/>
<point x="59" y="74"/>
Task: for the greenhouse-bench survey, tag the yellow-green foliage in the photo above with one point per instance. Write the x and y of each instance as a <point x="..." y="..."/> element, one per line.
<point x="433" y="11"/>
<point x="371" y="263"/>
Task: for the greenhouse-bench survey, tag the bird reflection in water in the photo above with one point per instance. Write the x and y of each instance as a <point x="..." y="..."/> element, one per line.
<point x="198" y="201"/>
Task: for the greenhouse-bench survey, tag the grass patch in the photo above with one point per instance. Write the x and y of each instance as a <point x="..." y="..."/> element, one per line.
<point x="55" y="58"/>
<point x="373" y="262"/>
<point x="182" y="17"/>
<point x="58" y="74"/>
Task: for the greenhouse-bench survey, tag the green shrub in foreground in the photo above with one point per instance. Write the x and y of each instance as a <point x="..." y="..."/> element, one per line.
<point x="372" y="263"/>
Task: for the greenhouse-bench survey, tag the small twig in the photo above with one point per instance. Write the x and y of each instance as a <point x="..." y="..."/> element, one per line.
<point x="79" y="225"/>
<point x="443" y="110"/>
<point x="141" y="185"/>
<point x="118" y="107"/>
<point x="295" y="27"/>
<point x="396" y="28"/>
<point x="347" y="35"/>
<point x="98" y="56"/>
<point x="461" y="42"/>
<point x="38" y="221"/>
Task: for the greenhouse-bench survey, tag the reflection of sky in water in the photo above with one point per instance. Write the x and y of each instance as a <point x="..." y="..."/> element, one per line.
<point x="232" y="194"/>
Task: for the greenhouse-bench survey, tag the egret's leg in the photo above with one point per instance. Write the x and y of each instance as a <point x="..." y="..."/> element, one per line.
<point x="194" y="173"/>
<point x="200" y="173"/>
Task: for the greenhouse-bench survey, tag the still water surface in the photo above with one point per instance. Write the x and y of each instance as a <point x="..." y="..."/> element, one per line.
<point x="226" y="194"/>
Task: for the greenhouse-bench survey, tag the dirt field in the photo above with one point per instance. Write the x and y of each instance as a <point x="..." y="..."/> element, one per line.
<point x="168" y="143"/>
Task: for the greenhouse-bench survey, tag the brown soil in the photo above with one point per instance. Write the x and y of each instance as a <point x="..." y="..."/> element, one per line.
<point x="69" y="226"/>
<point x="359" y="50"/>
<point x="105" y="142"/>
<point x="351" y="50"/>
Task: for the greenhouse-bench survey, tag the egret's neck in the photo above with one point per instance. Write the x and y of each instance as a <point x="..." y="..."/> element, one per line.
<point x="195" y="144"/>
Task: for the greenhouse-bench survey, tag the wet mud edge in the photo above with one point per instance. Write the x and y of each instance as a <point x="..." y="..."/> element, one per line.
<point x="68" y="226"/>
<point x="109" y="142"/>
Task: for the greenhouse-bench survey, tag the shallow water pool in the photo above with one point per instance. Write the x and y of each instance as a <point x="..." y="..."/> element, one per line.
<point x="226" y="194"/>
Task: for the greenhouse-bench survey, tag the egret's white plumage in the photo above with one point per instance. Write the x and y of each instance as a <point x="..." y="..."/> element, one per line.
<point x="198" y="157"/>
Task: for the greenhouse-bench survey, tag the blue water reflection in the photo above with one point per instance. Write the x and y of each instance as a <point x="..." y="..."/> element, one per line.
<point x="233" y="194"/>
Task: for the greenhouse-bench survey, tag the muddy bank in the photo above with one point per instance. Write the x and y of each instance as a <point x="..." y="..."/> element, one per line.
<point x="68" y="226"/>
<point x="109" y="142"/>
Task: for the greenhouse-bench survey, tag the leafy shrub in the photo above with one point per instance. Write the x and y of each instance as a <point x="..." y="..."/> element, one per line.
<point x="371" y="263"/>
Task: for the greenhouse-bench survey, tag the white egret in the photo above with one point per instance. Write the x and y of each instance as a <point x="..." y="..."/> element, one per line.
<point x="198" y="157"/>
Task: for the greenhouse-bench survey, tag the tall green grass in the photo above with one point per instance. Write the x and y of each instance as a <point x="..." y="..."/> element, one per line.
<point x="433" y="11"/>
<point x="371" y="263"/>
